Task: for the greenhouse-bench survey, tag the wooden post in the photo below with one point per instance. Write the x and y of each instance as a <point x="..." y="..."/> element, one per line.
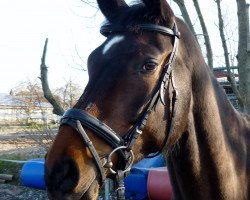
<point x="2" y="181"/>
<point x="7" y="177"/>
<point x="248" y="35"/>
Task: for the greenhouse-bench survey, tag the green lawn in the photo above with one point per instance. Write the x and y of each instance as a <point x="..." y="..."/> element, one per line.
<point x="14" y="168"/>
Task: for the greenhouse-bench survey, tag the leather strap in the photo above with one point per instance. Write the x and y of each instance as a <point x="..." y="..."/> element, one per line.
<point x="93" y="152"/>
<point x="108" y="29"/>
<point x="93" y="124"/>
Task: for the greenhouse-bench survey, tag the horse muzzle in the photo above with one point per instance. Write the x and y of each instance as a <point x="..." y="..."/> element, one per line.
<point x="65" y="181"/>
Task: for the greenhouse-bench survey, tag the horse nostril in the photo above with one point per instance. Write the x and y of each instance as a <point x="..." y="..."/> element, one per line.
<point x="63" y="177"/>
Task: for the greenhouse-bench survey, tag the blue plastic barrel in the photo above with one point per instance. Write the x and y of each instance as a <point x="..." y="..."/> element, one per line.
<point x="32" y="174"/>
<point x="154" y="162"/>
<point x="136" y="181"/>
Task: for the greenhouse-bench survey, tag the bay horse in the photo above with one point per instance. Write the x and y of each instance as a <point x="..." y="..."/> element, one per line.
<point x="149" y="91"/>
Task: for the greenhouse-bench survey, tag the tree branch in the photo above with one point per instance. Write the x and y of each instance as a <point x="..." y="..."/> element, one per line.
<point x="57" y="109"/>
<point x="185" y="14"/>
<point x="230" y="76"/>
<point x="206" y="35"/>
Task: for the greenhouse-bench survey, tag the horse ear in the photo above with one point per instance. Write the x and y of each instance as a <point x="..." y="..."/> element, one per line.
<point x="109" y="6"/>
<point x="159" y="9"/>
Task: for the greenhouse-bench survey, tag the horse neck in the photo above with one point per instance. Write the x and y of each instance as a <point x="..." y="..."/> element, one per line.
<point x="209" y="160"/>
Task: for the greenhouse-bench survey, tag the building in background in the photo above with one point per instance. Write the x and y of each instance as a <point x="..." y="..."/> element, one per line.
<point x="14" y="111"/>
<point x="221" y="75"/>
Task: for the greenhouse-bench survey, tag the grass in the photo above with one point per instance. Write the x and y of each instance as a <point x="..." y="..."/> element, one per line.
<point x="14" y="168"/>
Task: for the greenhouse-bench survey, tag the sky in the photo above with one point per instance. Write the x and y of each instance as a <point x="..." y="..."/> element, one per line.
<point x="73" y="32"/>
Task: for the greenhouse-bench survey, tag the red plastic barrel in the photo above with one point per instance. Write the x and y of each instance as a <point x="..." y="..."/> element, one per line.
<point x="159" y="186"/>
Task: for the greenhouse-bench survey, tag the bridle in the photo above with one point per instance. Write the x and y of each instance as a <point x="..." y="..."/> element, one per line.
<point x="78" y="118"/>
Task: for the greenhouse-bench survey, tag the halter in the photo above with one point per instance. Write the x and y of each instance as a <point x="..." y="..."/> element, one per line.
<point x="78" y="119"/>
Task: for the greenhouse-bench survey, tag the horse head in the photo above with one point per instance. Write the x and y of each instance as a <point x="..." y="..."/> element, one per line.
<point x="129" y="101"/>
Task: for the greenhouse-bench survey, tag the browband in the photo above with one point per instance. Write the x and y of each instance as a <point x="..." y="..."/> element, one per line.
<point x="108" y="29"/>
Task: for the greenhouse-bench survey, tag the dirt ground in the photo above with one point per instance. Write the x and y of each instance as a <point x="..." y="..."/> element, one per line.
<point x="24" y="145"/>
<point x="24" y="142"/>
<point x="12" y="192"/>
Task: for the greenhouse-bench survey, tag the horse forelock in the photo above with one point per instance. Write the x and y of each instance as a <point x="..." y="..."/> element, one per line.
<point x="139" y="13"/>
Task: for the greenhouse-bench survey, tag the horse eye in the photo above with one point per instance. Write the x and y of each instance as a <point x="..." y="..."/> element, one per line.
<point x="149" y="67"/>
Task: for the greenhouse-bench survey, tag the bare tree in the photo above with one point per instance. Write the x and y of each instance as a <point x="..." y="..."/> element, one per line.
<point x="32" y="111"/>
<point x="68" y="94"/>
<point x="90" y="3"/>
<point x="244" y="53"/>
<point x="230" y="75"/>
<point x="30" y="96"/>
<point x="62" y="98"/>
<point x="45" y="84"/>
<point x="185" y="15"/>
<point x="205" y="34"/>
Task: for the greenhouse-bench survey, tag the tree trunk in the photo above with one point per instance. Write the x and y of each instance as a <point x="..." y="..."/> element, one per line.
<point x="57" y="109"/>
<point x="244" y="54"/>
<point x="185" y="14"/>
<point x="230" y="75"/>
<point x="205" y="33"/>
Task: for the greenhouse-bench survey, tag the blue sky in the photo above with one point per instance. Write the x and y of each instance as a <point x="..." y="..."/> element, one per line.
<point x="73" y="30"/>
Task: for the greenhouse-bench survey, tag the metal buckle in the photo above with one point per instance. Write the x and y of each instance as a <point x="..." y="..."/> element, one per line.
<point x="138" y="130"/>
<point x="109" y="163"/>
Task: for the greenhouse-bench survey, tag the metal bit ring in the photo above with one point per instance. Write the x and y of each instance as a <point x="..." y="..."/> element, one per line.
<point x="111" y="164"/>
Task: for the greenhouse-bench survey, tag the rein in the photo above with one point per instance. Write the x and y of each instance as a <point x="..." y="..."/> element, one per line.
<point x="78" y="118"/>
